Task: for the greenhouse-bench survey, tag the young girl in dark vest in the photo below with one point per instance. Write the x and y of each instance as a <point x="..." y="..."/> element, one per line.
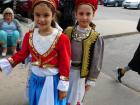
<point x="87" y="51"/>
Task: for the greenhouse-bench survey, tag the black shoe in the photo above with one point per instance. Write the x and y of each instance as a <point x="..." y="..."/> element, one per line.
<point x="119" y="74"/>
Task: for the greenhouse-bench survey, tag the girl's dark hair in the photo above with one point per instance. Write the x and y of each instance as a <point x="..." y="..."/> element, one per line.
<point x="48" y="4"/>
<point x="76" y="8"/>
<point x="53" y="24"/>
<point x="52" y="9"/>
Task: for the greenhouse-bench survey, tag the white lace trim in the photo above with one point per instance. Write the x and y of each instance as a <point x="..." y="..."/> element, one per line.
<point x="5" y="66"/>
<point x="63" y="85"/>
<point x="91" y="83"/>
<point x="83" y="30"/>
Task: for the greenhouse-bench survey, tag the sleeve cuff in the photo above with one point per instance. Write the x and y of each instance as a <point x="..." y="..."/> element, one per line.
<point x="91" y="83"/>
<point x="5" y="66"/>
<point x="63" y="85"/>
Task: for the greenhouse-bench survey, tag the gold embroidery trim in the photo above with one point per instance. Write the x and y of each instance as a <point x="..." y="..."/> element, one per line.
<point x="50" y="59"/>
<point x="38" y="62"/>
<point x="53" y="45"/>
<point x="31" y="43"/>
<point x="49" y="50"/>
<point x="86" y="45"/>
<point x="64" y="78"/>
<point x="45" y="65"/>
<point x="68" y="32"/>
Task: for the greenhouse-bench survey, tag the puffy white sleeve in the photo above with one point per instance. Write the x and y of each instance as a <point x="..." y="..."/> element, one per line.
<point x="63" y="85"/>
<point x="5" y="66"/>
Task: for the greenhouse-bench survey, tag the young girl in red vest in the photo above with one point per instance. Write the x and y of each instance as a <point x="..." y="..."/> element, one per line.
<point x="87" y="51"/>
<point x="50" y="57"/>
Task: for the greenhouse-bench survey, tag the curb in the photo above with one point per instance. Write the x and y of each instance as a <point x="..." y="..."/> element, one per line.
<point x="132" y="88"/>
<point x="119" y="35"/>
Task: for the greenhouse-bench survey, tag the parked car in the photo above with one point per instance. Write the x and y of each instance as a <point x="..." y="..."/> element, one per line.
<point x="5" y="3"/>
<point x="114" y="3"/>
<point x="23" y="7"/>
<point x="100" y="2"/>
<point x="131" y="4"/>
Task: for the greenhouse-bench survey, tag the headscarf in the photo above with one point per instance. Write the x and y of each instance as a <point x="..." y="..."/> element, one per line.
<point x="52" y="2"/>
<point x="92" y="3"/>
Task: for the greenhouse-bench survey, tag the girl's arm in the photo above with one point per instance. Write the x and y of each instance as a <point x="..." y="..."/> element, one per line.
<point x="96" y="63"/>
<point x="64" y="55"/>
<point x="23" y="53"/>
<point x="7" y="64"/>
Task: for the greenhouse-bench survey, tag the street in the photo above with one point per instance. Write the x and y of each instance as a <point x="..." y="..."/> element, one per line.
<point x="119" y="13"/>
<point x="117" y="53"/>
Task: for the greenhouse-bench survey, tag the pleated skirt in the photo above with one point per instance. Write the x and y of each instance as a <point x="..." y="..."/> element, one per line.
<point x="36" y="84"/>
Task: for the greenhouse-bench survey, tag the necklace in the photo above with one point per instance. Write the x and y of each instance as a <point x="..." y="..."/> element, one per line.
<point x="80" y="34"/>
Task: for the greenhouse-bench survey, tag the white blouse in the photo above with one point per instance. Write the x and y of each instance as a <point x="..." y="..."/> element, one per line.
<point x="43" y="43"/>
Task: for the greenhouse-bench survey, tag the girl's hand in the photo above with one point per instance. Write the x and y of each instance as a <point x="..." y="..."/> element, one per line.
<point x="87" y="88"/>
<point x="62" y="94"/>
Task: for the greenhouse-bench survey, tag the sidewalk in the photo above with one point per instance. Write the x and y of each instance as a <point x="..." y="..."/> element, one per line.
<point x="118" y="28"/>
<point x="122" y="28"/>
<point x="115" y="28"/>
<point x="108" y="92"/>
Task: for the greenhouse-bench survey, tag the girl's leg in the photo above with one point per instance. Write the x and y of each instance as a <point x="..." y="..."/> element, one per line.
<point x="3" y="41"/>
<point x="76" y="89"/>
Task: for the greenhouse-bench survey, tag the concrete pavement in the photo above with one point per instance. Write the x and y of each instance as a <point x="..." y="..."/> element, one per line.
<point x="115" y="28"/>
<point x="111" y="29"/>
<point x="106" y="92"/>
<point x="118" y="28"/>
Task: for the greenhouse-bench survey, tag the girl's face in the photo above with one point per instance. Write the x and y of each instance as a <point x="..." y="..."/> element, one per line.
<point x="43" y="16"/>
<point x="84" y="15"/>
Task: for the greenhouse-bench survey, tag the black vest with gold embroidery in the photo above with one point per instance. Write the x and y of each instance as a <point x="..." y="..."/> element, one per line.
<point x="88" y="49"/>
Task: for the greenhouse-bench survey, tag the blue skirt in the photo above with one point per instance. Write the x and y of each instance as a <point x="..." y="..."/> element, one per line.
<point x="36" y="84"/>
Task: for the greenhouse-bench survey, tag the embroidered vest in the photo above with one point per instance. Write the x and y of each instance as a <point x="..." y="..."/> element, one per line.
<point x="88" y="46"/>
<point x="42" y="60"/>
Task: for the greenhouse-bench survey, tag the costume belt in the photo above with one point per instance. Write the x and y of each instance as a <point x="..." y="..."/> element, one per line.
<point x="76" y="64"/>
<point x="44" y="66"/>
